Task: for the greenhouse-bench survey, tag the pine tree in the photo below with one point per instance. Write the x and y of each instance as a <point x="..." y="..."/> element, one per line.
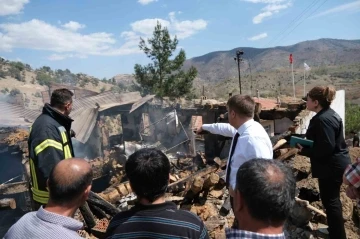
<point x="164" y="76"/>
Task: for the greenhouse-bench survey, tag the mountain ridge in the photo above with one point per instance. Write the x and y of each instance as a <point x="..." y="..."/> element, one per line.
<point x="220" y="65"/>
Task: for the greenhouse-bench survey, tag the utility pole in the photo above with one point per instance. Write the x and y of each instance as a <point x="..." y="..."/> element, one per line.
<point x="238" y="59"/>
<point x="250" y="78"/>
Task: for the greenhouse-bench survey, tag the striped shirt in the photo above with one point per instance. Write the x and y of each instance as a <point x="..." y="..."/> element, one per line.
<point x="240" y="234"/>
<point x="156" y="221"/>
<point x="352" y="175"/>
<point x="44" y="225"/>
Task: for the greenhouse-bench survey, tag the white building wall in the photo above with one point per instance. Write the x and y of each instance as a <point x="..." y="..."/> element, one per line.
<point x="338" y="106"/>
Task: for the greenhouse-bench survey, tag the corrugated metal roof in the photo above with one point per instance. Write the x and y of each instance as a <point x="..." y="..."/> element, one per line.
<point x="86" y="110"/>
<point x="266" y="104"/>
<point x="106" y="100"/>
<point x="141" y="102"/>
<point x="12" y="114"/>
<point x="78" y="92"/>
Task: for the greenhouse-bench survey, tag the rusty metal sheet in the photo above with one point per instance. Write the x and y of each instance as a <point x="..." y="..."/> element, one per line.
<point x="146" y="124"/>
<point x="196" y="122"/>
<point x="84" y="123"/>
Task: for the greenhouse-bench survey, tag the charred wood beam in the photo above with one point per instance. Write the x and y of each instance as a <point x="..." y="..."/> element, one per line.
<point x="286" y="135"/>
<point x="288" y="154"/>
<point x="13" y="188"/>
<point x="101" y="203"/>
<point x="279" y="144"/>
<point x="98" y="212"/>
<point x="8" y="203"/>
<point x="200" y="173"/>
<point x="87" y="215"/>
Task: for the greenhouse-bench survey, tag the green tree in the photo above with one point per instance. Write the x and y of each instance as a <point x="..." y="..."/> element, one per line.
<point x="164" y="76"/>
<point x="46" y="69"/>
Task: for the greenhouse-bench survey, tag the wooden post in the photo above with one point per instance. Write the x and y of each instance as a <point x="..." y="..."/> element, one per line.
<point x="211" y="180"/>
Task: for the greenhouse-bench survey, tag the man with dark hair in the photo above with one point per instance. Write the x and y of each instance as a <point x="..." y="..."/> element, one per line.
<point x="264" y="197"/>
<point x="69" y="185"/>
<point x="148" y="171"/>
<point x="49" y="142"/>
<point x="250" y="139"/>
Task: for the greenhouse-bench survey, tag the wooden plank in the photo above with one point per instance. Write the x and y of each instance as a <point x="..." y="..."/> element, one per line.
<point x="8" y="203"/>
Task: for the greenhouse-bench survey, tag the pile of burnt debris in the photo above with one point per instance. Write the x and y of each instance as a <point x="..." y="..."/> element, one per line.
<point x="197" y="184"/>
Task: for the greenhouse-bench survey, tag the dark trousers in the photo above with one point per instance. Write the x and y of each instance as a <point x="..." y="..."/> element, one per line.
<point x="330" y="197"/>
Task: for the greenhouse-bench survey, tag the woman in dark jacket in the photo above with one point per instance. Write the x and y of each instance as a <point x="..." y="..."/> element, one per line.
<point x="329" y="155"/>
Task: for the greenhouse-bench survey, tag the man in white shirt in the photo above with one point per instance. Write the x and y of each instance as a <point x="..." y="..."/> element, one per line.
<point x="250" y="139"/>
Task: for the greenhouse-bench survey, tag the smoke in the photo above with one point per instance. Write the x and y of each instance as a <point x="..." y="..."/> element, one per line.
<point x="169" y="132"/>
<point x="11" y="114"/>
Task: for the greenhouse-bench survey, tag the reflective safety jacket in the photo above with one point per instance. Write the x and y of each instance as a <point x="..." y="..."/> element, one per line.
<point x="49" y="142"/>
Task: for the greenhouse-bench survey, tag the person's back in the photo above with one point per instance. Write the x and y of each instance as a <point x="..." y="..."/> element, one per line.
<point x="148" y="172"/>
<point x="327" y="157"/>
<point x="69" y="185"/>
<point x="43" y="225"/>
<point x="264" y="198"/>
<point x="156" y="221"/>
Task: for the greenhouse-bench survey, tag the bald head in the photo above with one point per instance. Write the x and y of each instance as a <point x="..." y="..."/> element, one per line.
<point x="267" y="188"/>
<point x="69" y="179"/>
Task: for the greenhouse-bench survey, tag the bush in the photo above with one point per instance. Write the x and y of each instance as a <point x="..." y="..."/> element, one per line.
<point x="352" y="118"/>
<point x="18" y="65"/>
<point x="13" y="71"/>
<point x="322" y="70"/>
<point x="2" y="74"/>
<point x="82" y="83"/>
<point x="5" y="90"/>
<point x="28" y="67"/>
<point x="46" y="69"/>
<point x="95" y="82"/>
<point x="14" y="92"/>
<point x="44" y="79"/>
<point x="102" y="89"/>
<point x="38" y="95"/>
<point x="19" y="77"/>
<point x="115" y="89"/>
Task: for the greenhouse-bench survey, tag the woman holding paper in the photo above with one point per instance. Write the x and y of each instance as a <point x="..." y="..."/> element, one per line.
<point x="329" y="155"/>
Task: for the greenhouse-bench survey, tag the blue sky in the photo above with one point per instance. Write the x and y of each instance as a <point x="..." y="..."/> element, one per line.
<point x="100" y="37"/>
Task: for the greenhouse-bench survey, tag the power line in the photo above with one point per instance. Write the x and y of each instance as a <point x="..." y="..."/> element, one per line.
<point x="303" y="20"/>
<point x="293" y="22"/>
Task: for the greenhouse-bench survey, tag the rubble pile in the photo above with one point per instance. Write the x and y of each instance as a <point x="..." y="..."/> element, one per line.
<point x="198" y="186"/>
<point x="16" y="136"/>
<point x="202" y="191"/>
<point x="310" y="223"/>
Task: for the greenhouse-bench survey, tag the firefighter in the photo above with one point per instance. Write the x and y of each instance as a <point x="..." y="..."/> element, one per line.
<point x="49" y="142"/>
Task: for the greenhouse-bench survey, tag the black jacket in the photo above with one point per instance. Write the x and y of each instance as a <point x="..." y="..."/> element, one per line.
<point x="49" y="142"/>
<point x="329" y="155"/>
